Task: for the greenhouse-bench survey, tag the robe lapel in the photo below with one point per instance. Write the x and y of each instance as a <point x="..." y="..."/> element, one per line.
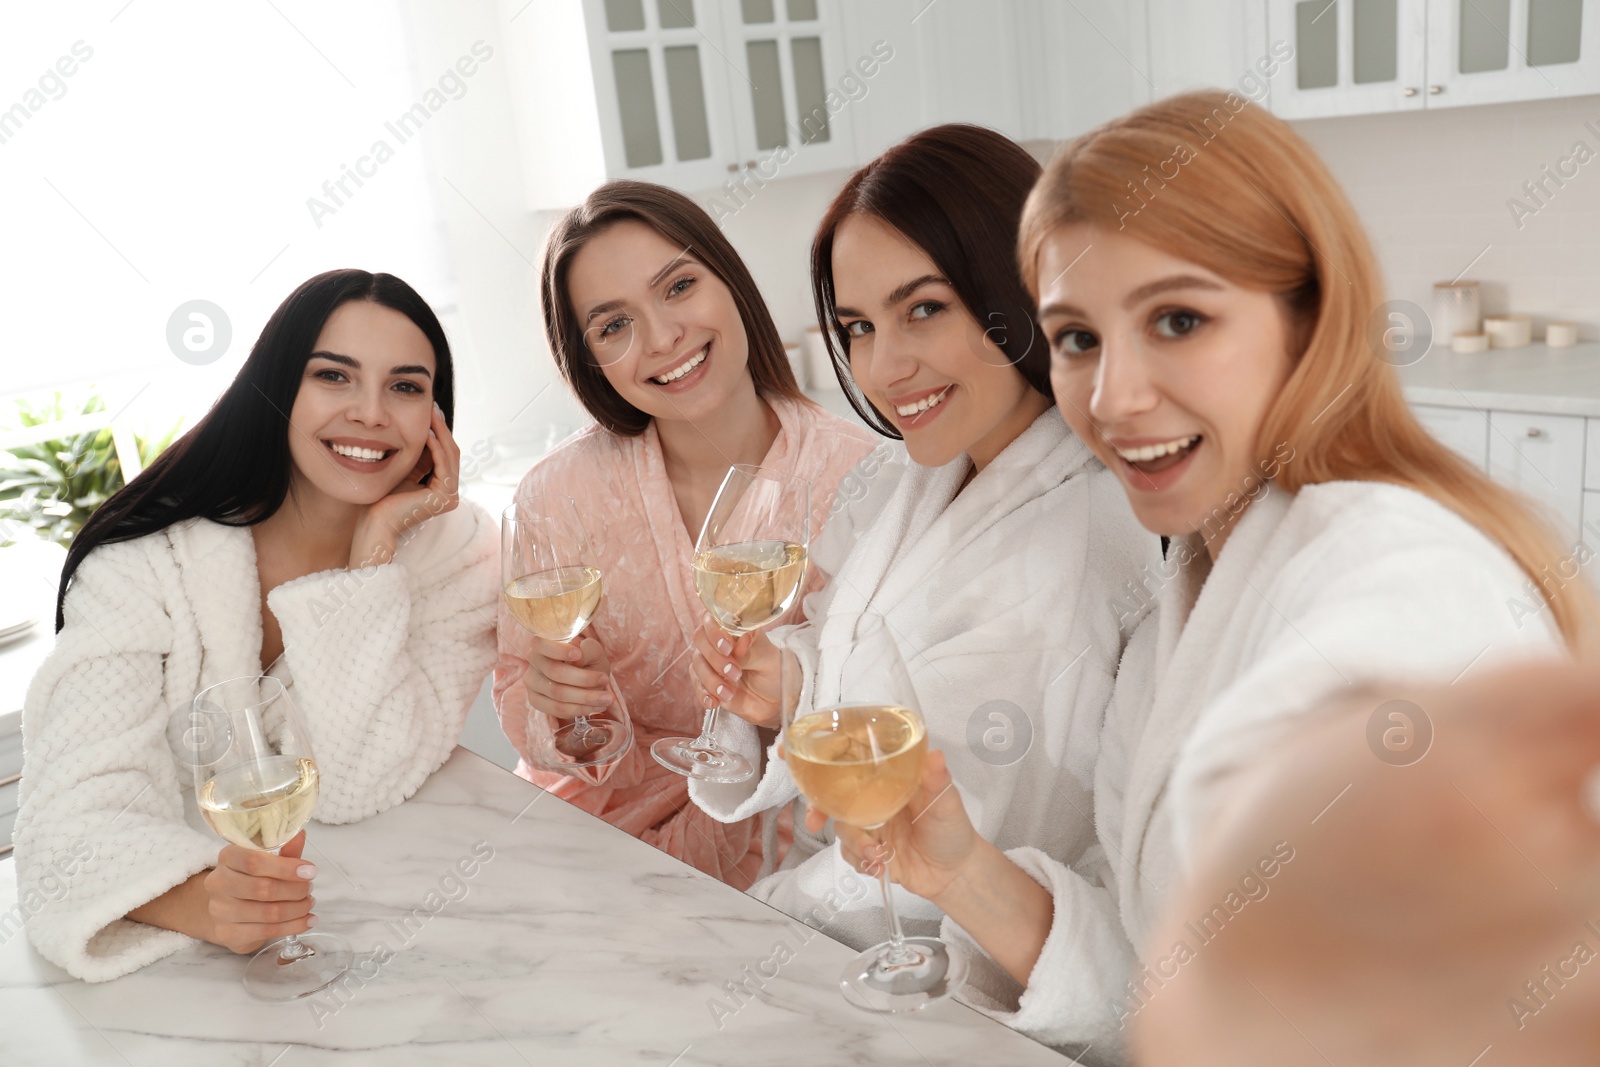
<point x="1188" y="644"/>
<point x="217" y="568"/>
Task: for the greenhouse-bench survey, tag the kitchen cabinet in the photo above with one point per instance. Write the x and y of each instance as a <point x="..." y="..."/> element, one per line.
<point x="1360" y="56"/>
<point x="1543" y="456"/>
<point x="1530" y="417"/>
<point x="1466" y="430"/>
<point x="678" y="92"/>
<point x="707" y="95"/>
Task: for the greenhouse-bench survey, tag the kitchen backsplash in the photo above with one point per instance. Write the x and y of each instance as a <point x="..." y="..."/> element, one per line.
<point x="1435" y="188"/>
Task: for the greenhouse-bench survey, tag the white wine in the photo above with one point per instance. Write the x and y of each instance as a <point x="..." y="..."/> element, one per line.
<point x="555" y="604"/>
<point x="263" y="803"/>
<point x="747" y="585"/>
<point x="859" y="764"/>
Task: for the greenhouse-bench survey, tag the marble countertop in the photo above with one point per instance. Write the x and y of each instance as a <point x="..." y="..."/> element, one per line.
<point x="572" y="944"/>
<point x="1556" y="381"/>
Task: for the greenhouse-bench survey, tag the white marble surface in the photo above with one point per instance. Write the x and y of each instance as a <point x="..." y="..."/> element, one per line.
<point x="575" y="944"/>
<point x="1538" y="379"/>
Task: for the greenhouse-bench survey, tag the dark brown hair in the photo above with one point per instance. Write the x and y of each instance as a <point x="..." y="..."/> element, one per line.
<point x="957" y="192"/>
<point x="681" y="221"/>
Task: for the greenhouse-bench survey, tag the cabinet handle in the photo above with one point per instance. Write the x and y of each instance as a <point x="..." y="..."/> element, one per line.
<point x="1435" y="90"/>
<point x="750" y="164"/>
<point x="733" y="168"/>
<point x="1411" y="90"/>
<point x="1534" y="431"/>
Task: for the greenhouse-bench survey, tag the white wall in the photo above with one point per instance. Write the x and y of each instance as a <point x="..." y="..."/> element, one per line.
<point x="1432" y="187"/>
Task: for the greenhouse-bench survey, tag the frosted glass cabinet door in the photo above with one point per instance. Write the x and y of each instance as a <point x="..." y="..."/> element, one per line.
<point x="1350" y="56"/>
<point x="662" y="90"/>
<point x="1491" y="51"/>
<point x="791" y="100"/>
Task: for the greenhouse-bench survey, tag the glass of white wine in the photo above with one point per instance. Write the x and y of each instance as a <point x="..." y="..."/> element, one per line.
<point x="256" y="785"/>
<point x="860" y="763"/>
<point x="749" y="566"/>
<point x="553" y="589"/>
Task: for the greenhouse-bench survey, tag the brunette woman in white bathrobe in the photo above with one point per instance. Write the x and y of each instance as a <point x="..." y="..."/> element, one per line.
<point x="1217" y="332"/>
<point x="308" y="526"/>
<point x="994" y="543"/>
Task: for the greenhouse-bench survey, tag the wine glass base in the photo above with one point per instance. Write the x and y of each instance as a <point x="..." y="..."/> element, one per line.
<point x="269" y="977"/>
<point x="692" y="758"/>
<point x="934" y="971"/>
<point x="589" y="744"/>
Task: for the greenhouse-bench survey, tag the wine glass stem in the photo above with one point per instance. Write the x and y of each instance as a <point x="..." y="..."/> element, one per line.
<point x="896" y="953"/>
<point x="708" y="728"/>
<point x="291" y="949"/>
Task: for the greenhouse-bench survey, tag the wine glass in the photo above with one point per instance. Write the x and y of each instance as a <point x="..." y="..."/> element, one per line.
<point x="749" y="565"/>
<point x="860" y="762"/>
<point x="553" y="590"/>
<point x="256" y="784"/>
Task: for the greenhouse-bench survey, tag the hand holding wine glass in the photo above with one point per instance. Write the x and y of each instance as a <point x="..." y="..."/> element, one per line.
<point x="861" y="763"/>
<point x="931" y="839"/>
<point x="553" y="589"/>
<point x="256" y="784"/>
<point x="749" y="567"/>
<point x="253" y="897"/>
<point x="740" y="674"/>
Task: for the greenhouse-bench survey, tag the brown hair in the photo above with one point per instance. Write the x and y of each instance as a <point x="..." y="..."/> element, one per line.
<point x="957" y="192"/>
<point x="1217" y="181"/>
<point x="681" y="221"/>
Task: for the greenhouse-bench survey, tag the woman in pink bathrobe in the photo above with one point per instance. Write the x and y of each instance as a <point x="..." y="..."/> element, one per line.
<point x="659" y="329"/>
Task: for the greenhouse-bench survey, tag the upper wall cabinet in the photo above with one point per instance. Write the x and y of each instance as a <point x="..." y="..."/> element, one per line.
<point x="1361" y="56"/>
<point x="679" y="92"/>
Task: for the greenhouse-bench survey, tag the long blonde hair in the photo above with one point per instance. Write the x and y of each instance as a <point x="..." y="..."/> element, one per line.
<point x="1213" y="179"/>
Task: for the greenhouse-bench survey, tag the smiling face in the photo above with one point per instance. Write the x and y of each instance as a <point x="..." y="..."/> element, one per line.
<point x="360" y="420"/>
<point x="1164" y="368"/>
<point x="664" y="329"/>
<point x="917" y="353"/>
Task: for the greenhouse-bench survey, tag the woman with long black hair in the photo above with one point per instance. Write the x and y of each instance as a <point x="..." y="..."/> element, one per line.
<point x="308" y="527"/>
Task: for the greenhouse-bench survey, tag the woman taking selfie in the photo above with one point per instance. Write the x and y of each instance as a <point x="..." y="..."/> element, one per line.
<point x="993" y="548"/>
<point x="307" y="526"/>
<point x="658" y="327"/>
<point x="1210" y="341"/>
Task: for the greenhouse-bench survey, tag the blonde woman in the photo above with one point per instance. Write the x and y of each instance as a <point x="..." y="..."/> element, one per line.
<point x="1205" y="289"/>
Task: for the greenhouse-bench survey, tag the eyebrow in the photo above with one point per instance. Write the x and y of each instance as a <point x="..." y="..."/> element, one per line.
<point x="900" y="292"/>
<point x="686" y="256"/>
<point x="355" y="364"/>
<point x="1141" y="294"/>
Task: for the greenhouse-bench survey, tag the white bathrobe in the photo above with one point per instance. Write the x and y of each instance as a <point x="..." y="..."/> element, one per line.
<point x="385" y="663"/>
<point x="1340" y="585"/>
<point x="1004" y="600"/>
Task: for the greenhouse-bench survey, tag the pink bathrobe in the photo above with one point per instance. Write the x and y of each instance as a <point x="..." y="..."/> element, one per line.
<point x="649" y="615"/>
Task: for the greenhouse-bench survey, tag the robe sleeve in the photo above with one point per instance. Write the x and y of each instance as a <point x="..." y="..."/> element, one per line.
<point x="387" y="660"/>
<point x="1074" y="998"/>
<point x="101" y="829"/>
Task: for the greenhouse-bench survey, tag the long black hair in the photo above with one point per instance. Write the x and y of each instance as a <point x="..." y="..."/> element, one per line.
<point x="233" y="466"/>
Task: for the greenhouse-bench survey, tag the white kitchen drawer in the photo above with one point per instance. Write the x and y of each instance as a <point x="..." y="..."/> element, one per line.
<point x="1591" y="514"/>
<point x="1542" y="455"/>
<point x="1464" y="429"/>
<point x="1591" y="463"/>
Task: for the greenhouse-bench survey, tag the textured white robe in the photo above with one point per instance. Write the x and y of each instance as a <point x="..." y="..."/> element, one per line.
<point x="1004" y="599"/>
<point x="385" y="663"/>
<point x="1340" y="585"/>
